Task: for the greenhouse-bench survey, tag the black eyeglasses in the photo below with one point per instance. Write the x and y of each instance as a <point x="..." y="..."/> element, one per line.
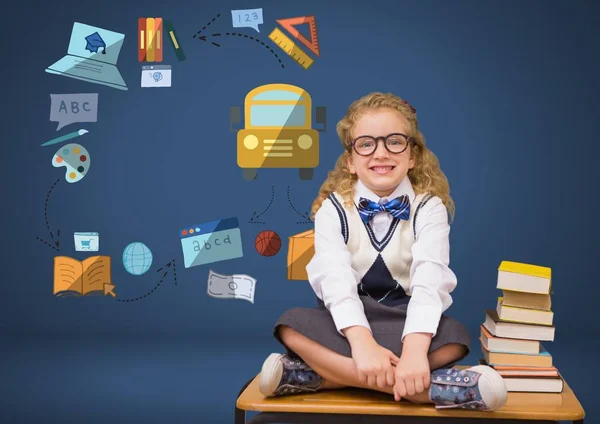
<point x="394" y="143"/>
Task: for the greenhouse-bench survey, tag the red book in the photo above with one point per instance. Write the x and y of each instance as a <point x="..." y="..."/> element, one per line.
<point x="142" y="39"/>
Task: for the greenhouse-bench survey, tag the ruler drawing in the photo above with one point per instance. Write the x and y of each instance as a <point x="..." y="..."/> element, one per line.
<point x="286" y="44"/>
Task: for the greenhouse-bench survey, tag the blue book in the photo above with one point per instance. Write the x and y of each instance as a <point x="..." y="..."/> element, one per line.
<point x="542" y="359"/>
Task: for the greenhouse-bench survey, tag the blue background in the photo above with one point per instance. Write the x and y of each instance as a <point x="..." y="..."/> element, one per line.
<point x="507" y="97"/>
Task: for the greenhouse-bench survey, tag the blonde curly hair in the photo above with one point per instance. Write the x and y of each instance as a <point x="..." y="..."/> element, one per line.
<point x="425" y="177"/>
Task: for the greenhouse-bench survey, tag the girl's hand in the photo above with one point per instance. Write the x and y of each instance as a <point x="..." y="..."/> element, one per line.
<point x="412" y="375"/>
<point x="374" y="364"/>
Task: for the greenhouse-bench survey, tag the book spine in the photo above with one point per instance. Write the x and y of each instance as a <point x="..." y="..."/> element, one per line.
<point x="519" y="320"/>
<point x="150" y="39"/>
<point x="141" y="39"/>
<point x="158" y="37"/>
<point x="172" y="35"/>
<point x="290" y="258"/>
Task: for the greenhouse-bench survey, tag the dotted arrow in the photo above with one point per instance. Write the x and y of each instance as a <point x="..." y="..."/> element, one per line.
<point x="237" y="34"/>
<point x="166" y="271"/>
<point x="48" y="244"/>
<point x="174" y="271"/>
<point x="303" y="215"/>
<point x="203" y="37"/>
<point x="206" y="26"/>
<point x="254" y="215"/>
<point x="56" y="242"/>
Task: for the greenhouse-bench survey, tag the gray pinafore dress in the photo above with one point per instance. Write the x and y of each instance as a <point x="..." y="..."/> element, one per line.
<point x="384" y="288"/>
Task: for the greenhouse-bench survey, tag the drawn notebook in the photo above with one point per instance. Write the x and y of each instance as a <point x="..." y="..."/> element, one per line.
<point x="80" y="278"/>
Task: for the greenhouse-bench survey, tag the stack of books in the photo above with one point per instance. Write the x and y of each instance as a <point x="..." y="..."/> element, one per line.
<point x="511" y="335"/>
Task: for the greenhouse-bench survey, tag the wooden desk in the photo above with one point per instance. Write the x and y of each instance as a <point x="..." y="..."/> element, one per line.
<point x="358" y="402"/>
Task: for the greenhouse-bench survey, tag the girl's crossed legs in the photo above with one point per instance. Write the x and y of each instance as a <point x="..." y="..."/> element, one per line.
<point x="339" y="371"/>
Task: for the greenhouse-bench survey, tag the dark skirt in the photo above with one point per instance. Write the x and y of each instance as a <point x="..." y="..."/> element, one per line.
<point x="387" y="325"/>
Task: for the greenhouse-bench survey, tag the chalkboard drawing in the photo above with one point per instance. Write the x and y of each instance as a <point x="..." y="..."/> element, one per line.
<point x="82" y="278"/>
<point x="67" y="109"/>
<point x="277" y="130"/>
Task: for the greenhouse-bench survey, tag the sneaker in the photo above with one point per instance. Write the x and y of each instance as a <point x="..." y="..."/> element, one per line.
<point x="480" y="388"/>
<point x="286" y="375"/>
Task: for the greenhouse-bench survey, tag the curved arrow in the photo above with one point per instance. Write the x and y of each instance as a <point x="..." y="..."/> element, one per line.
<point x="303" y="215"/>
<point x="254" y="215"/>
<point x="56" y="242"/>
<point x="166" y="271"/>
<point x="237" y="34"/>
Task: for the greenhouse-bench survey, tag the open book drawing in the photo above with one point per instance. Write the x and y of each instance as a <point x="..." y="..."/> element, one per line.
<point x="80" y="278"/>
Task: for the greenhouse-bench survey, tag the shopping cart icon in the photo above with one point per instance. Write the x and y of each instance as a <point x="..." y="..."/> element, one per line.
<point x="87" y="242"/>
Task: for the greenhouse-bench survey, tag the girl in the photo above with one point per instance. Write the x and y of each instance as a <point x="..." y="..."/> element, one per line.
<point x="381" y="275"/>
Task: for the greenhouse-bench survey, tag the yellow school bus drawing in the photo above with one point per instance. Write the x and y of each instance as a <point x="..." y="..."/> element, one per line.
<point x="278" y="130"/>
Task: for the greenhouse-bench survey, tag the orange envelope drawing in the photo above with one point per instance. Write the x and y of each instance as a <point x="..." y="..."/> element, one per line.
<point x="301" y="249"/>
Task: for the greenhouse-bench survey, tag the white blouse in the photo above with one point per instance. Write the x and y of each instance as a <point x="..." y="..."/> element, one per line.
<point x="431" y="280"/>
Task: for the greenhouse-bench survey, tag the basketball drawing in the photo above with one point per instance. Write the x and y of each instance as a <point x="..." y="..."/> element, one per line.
<point x="267" y="243"/>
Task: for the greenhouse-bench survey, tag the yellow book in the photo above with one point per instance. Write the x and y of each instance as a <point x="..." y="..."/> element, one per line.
<point x="523" y="315"/>
<point x="150" y="37"/>
<point x="526" y="278"/>
<point x="527" y="269"/>
<point x="80" y="278"/>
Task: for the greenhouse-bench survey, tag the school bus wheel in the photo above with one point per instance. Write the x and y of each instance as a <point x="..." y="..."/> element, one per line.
<point x="249" y="174"/>
<point x="305" y="173"/>
<point x="250" y="142"/>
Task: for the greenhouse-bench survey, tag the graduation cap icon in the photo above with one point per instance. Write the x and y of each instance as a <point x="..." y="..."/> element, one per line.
<point x="94" y="42"/>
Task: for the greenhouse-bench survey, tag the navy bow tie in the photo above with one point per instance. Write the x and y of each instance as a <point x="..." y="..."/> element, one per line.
<point x="398" y="207"/>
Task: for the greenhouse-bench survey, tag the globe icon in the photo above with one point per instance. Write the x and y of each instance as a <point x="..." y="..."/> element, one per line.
<point x="137" y="258"/>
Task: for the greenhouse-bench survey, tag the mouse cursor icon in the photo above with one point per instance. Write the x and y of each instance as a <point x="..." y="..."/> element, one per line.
<point x="108" y="289"/>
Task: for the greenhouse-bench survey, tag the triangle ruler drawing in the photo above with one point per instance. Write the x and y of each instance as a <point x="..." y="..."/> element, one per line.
<point x="286" y="44"/>
<point x="289" y="25"/>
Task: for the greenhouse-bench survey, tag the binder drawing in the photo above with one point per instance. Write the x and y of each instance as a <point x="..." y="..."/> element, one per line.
<point x="141" y="39"/>
<point x="158" y="44"/>
<point x="172" y="35"/>
<point x="149" y="39"/>
<point x="150" y="43"/>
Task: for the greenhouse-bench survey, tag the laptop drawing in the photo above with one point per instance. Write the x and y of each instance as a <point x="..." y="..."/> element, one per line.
<point x="92" y="56"/>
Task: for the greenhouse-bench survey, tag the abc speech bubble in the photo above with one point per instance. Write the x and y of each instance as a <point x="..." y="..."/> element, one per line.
<point x="67" y="109"/>
<point x="247" y="18"/>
